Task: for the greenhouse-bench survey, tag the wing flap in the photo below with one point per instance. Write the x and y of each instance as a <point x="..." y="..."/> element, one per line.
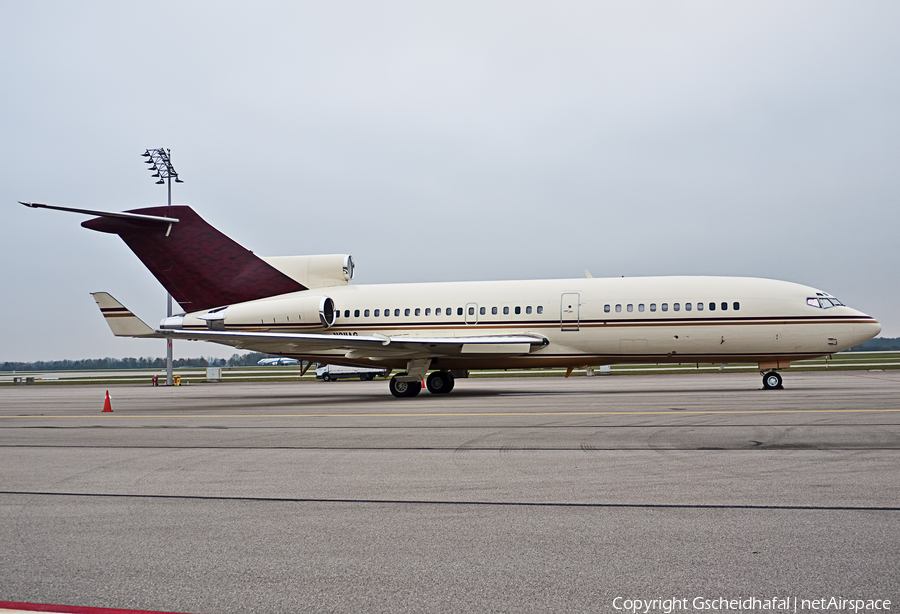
<point x="495" y="348"/>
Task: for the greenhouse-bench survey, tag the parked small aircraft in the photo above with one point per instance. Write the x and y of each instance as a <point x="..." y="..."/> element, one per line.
<point x="279" y="361"/>
<point x="303" y="307"/>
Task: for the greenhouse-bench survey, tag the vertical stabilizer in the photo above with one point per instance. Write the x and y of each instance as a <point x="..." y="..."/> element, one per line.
<point x="199" y="266"/>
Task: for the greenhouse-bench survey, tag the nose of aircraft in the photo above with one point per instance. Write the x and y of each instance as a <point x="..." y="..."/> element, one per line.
<point x="865" y="328"/>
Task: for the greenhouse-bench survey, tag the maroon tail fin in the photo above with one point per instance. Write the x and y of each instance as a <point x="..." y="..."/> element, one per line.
<point x="199" y="266"/>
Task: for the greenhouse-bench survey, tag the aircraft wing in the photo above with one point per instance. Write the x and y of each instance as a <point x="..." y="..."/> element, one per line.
<point x="374" y="346"/>
<point x="125" y="324"/>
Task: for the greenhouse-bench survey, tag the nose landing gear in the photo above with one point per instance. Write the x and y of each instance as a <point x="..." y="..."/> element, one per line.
<point x="772" y="381"/>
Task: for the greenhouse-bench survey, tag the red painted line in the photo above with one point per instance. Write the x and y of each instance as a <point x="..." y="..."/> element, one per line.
<point x="70" y="609"/>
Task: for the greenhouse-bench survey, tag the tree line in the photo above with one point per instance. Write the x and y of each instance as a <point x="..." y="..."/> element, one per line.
<point x="99" y="364"/>
<point x="878" y="344"/>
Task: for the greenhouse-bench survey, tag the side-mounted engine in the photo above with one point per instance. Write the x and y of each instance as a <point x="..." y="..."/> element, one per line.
<point x="279" y="313"/>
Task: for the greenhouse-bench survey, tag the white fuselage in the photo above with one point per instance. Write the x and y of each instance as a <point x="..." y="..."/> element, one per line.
<point x="586" y="321"/>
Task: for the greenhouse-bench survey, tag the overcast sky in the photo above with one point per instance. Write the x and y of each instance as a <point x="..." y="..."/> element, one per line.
<point x="450" y="141"/>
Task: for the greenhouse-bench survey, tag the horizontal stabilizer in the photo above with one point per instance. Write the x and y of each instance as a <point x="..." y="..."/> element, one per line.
<point x="122" y="322"/>
<point x="122" y="216"/>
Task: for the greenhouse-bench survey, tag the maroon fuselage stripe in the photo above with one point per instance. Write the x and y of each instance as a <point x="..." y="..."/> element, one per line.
<point x="72" y="609"/>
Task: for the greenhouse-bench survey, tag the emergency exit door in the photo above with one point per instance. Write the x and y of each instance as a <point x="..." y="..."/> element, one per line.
<point x="569" y="311"/>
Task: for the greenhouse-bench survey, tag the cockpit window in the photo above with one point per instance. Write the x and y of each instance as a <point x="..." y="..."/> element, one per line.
<point x="823" y="302"/>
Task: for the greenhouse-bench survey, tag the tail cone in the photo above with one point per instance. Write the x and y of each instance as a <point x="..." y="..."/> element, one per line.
<point x="107" y="406"/>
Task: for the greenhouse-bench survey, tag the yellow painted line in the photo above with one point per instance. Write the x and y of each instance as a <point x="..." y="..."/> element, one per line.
<point x="477" y="414"/>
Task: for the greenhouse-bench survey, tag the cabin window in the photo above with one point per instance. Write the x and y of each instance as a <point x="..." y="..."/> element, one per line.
<point x="418" y="311"/>
<point x="405" y="312"/>
<point x="428" y="311"/>
<point x="687" y="306"/>
<point x="606" y="308"/>
<point x="528" y="309"/>
<point x="397" y="313"/>
<point x="471" y="311"/>
<point x="736" y="306"/>
<point x="618" y="309"/>
<point x="518" y="310"/>
<point x="493" y="311"/>
<point x="459" y="311"/>
<point x="356" y="313"/>
<point x="346" y="313"/>
<point x="699" y="306"/>
<point x="676" y="307"/>
<point x="712" y="306"/>
<point x="652" y="306"/>
<point x="377" y="312"/>
<point x="640" y="307"/>
<point x="437" y="311"/>
<point x="665" y="306"/>
<point x="449" y="311"/>
<point x="506" y="311"/>
<point x="724" y="306"/>
<point x="540" y="309"/>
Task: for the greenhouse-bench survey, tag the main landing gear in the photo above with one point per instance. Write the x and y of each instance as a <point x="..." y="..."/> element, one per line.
<point x="772" y="381"/>
<point x="404" y="389"/>
<point x="439" y="382"/>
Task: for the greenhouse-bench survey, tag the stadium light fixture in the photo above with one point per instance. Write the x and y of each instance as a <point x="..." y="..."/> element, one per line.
<point x="160" y="162"/>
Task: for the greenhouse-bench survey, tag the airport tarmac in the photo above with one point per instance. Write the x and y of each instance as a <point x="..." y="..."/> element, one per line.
<point x="508" y="495"/>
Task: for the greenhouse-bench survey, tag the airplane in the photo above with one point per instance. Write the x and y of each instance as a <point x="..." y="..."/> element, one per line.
<point x="304" y="307"/>
<point x="278" y="362"/>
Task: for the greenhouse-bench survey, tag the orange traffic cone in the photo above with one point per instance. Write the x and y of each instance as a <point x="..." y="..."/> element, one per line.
<point x="423" y="383"/>
<point x="107" y="406"/>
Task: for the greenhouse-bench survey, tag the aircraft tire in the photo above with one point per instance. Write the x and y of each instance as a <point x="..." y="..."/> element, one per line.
<point x="439" y="382"/>
<point x="772" y="381"/>
<point x="404" y="389"/>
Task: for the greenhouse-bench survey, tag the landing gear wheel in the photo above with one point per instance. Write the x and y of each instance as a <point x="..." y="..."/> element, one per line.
<point x="772" y="381"/>
<point x="404" y="389"/>
<point x="439" y="382"/>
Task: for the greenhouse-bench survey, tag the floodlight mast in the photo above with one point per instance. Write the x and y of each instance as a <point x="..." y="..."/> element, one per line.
<point x="160" y="161"/>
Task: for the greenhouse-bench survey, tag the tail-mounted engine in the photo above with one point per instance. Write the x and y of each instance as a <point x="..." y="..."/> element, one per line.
<point x="323" y="271"/>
